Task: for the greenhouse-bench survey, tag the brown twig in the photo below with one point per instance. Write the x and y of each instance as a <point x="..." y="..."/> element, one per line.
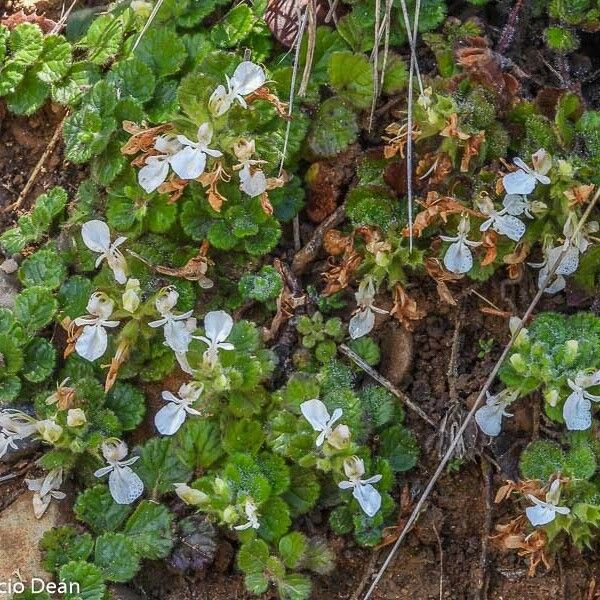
<point x="441" y="550"/>
<point x="483" y="581"/>
<point x="508" y="33"/>
<point x="366" y="575"/>
<point x="307" y="254"/>
<point x="482" y="394"/>
<point x="38" y="167"/>
<point x="388" y="385"/>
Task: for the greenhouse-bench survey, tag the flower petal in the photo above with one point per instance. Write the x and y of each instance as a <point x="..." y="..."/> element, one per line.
<point x="540" y="514"/>
<point x="489" y="419"/>
<point x="219" y="102"/>
<point x="519" y="182"/>
<point x="316" y="413"/>
<point x="189" y="163"/>
<point x="217" y="325"/>
<point x="361" y="323"/>
<point x="509" y="226"/>
<point x="247" y="78"/>
<point x="96" y="235"/>
<point x="368" y="498"/>
<point x="458" y="258"/>
<point x="92" y="342"/>
<point x="177" y="336"/>
<point x="253" y="184"/>
<point x="577" y="412"/>
<point x="170" y="418"/>
<point x="153" y="174"/>
<point x="125" y="485"/>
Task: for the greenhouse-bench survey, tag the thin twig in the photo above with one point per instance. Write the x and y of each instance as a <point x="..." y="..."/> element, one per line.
<point x="488" y="383"/>
<point x="388" y="385"/>
<point x="368" y="570"/>
<point x="412" y="43"/>
<point x="488" y="477"/>
<point x="38" y="167"/>
<point x="375" y="58"/>
<point x="298" y="44"/>
<point x="147" y="24"/>
<point x="441" y="550"/>
<point x="311" y="11"/>
<point x="63" y="19"/>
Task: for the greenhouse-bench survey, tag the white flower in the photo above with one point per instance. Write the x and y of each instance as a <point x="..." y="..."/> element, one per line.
<point x="568" y="265"/>
<point x="190" y="495"/>
<point x="500" y="221"/>
<point x="247" y="78"/>
<point x="253" y="181"/>
<point x="45" y="488"/>
<point x="76" y="417"/>
<point x="156" y="169"/>
<point x="489" y="417"/>
<point x="96" y="236"/>
<point x="177" y="335"/>
<point x="578" y="240"/>
<point x="363" y="319"/>
<point x="524" y="180"/>
<point x="14" y="426"/>
<point x="171" y="417"/>
<point x="577" y="410"/>
<point x="125" y="485"/>
<point x="92" y="342"/>
<point x="545" y="512"/>
<point x="190" y="161"/>
<point x="251" y="511"/>
<point x="217" y="327"/>
<point x="458" y="258"/>
<point x="316" y="413"/>
<point x="366" y="495"/>
<point x="131" y="297"/>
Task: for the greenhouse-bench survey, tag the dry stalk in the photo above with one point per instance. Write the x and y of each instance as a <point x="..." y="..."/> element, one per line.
<point x="488" y="383"/>
<point x="388" y="385"/>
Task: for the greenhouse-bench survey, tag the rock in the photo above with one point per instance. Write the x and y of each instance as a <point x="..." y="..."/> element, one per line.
<point x="396" y="352"/>
<point x="21" y="534"/>
<point x="8" y="290"/>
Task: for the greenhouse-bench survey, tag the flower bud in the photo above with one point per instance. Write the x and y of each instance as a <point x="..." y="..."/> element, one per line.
<point x="571" y="350"/>
<point x="49" y="430"/>
<point x="191" y="495"/>
<point x="518" y="363"/>
<point x="131" y="296"/>
<point x="230" y="515"/>
<point x="76" y="417"/>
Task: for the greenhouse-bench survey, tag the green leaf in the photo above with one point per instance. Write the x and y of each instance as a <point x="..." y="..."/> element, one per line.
<point x="252" y="556"/>
<point x="28" y="96"/>
<point x="35" y="307"/>
<point x="294" y="586"/>
<point x="396" y="75"/>
<point x="10" y="388"/>
<point x="334" y="128"/>
<point x="256" y="583"/>
<point x="198" y="443"/>
<point x="89" y="577"/>
<point x="12" y="356"/>
<point x="160" y="466"/>
<point x="74" y="294"/>
<point x="26" y="43"/>
<point x="149" y="529"/>
<point x="163" y="51"/>
<point x="87" y="134"/>
<point x="40" y="360"/>
<point x="275" y="519"/>
<point x="233" y="27"/>
<point x="399" y="446"/>
<point x="109" y="164"/>
<point x="161" y="215"/>
<point x="262" y="286"/>
<point x="541" y="459"/>
<point x="44" y="268"/>
<point x="11" y="75"/>
<point x="291" y="548"/>
<point x="351" y="76"/>
<point x="61" y="545"/>
<point x="128" y="403"/>
<point x="96" y="508"/>
<point x="56" y="59"/>
<point x="303" y="492"/>
<point x="103" y="39"/>
<point x="115" y="555"/>
<point x="243" y="436"/>
<point x="133" y="79"/>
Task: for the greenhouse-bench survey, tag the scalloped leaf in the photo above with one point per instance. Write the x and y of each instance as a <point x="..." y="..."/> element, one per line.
<point x="44" y="268"/>
<point x="115" y="555"/>
<point x="61" y="545"/>
<point x="89" y="577"/>
<point x="96" y="508"/>
<point x="153" y="52"/>
<point x="40" y="360"/>
<point x="35" y="307"/>
<point x="149" y="529"/>
<point x="351" y="76"/>
<point x="128" y="403"/>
